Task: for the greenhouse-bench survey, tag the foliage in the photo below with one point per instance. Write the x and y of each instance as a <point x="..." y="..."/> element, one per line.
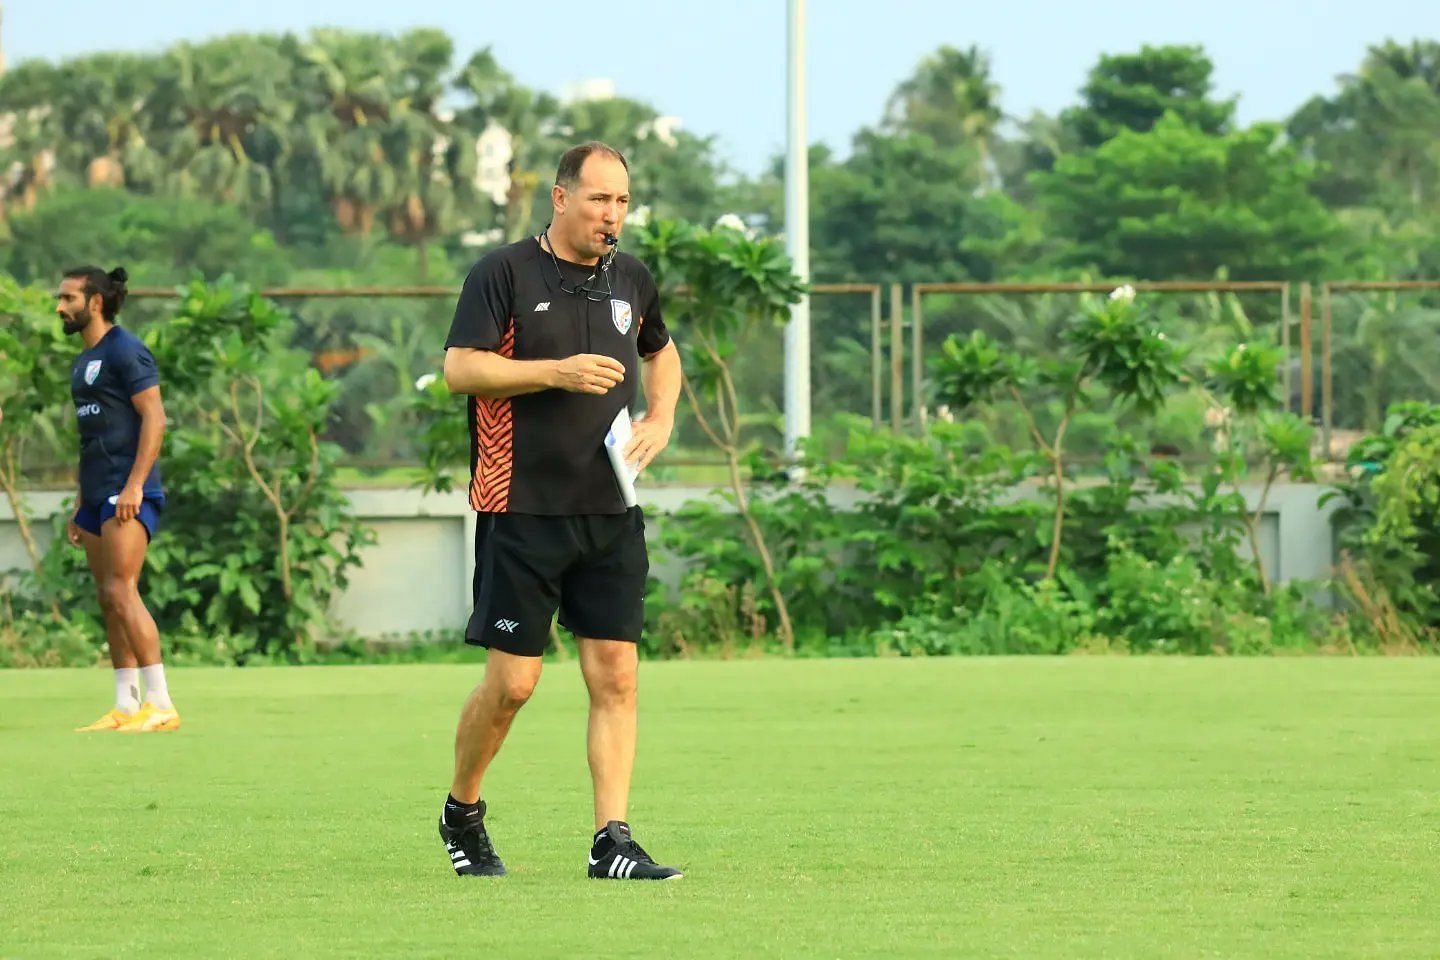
<point x="1389" y="525"/>
<point x="162" y="240"/>
<point x="721" y="287"/>
<point x="1179" y="202"/>
<point x="1133" y="91"/>
<point x="257" y="536"/>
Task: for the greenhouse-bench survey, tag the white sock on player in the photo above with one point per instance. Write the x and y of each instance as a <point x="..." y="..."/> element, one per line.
<point x="155" y="690"/>
<point x="127" y="689"/>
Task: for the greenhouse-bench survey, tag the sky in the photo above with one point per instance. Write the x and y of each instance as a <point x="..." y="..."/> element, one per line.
<point x="720" y="67"/>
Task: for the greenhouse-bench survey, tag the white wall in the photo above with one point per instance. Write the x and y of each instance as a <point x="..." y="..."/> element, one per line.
<point x="417" y="575"/>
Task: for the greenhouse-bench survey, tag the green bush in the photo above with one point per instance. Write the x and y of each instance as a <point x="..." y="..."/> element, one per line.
<point x="257" y="535"/>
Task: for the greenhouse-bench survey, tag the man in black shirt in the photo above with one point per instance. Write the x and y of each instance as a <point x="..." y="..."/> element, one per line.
<point x="548" y="340"/>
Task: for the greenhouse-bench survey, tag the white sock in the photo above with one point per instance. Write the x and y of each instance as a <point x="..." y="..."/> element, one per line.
<point x="155" y="690"/>
<point x="127" y="689"/>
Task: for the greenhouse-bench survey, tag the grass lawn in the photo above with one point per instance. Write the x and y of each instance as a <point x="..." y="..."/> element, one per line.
<point x="1069" y="807"/>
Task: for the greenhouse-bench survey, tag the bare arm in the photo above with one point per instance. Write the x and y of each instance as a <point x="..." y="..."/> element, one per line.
<point x="662" y="392"/>
<point x="152" y="432"/>
<point x="484" y="373"/>
<point x="148" y="404"/>
<point x="662" y="383"/>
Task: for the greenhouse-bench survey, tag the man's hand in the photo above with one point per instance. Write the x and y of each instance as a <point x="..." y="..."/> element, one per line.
<point x="647" y="438"/>
<point x="72" y="533"/>
<point x="127" y="505"/>
<point x="589" y="373"/>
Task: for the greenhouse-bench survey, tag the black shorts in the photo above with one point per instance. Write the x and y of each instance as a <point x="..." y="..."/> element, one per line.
<point x="592" y="567"/>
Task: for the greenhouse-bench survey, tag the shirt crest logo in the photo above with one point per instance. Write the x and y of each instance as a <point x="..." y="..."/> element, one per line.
<point x="92" y="371"/>
<point x="621" y="313"/>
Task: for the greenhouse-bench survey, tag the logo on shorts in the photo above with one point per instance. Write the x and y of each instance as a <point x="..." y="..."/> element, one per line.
<point x="507" y="625"/>
<point x="542" y="306"/>
<point x="620" y="312"/>
<point x="92" y="370"/>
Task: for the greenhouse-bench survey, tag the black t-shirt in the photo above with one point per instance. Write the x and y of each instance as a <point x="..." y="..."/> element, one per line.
<point x="543" y="453"/>
<point x="102" y="381"/>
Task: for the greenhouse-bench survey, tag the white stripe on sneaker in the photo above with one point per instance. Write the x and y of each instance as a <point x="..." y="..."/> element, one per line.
<point x="630" y="868"/>
<point x="460" y="863"/>
<point x="615" y="866"/>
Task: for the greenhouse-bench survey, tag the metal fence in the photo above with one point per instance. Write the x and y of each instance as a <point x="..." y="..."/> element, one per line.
<point x="899" y="342"/>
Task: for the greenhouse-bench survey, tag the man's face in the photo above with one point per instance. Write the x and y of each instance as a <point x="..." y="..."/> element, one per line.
<point x="595" y="207"/>
<point x="70" y="305"/>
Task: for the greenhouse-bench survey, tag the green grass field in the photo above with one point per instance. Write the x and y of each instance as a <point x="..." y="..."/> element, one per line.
<point x="1072" y="807"/>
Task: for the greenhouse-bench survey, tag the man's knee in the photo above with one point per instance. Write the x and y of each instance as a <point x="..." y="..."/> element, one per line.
<point x="115" y="594"/>
<point x="512" y="688"/>
<point x="613" y="676"/>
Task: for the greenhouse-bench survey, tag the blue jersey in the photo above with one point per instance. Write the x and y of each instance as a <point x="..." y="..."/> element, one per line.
<point x="102" y="381"/>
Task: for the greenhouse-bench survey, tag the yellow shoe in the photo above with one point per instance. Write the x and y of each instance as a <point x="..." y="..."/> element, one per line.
<point x="151" y="719"/>
<point x="113" y="720"/>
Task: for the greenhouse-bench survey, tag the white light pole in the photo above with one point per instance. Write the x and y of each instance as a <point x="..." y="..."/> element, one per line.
<point x="797" y="234"/>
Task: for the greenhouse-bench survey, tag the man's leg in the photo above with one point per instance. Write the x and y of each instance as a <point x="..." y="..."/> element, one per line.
<point x="122" y="657"/>
<point x="611" y="670"/>
<point x="485" y="720"/>
<point x="124" y="546"/>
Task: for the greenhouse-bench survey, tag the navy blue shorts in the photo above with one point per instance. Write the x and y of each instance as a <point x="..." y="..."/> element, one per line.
<point x="92" y="516"/>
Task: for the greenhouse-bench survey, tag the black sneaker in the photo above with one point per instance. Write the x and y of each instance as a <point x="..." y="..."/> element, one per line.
<point x="616" y="856"/>
<point x="468" y="844"/>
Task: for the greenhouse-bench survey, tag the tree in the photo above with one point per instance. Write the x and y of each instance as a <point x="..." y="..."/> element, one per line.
<point x="903" y="208"/>
<point x="348" y="99"/>
<point x="1133" y="91"/>
<point x="105" y="118"/>
<point x="229" y="113"/>
<point x="161" y="240"/>
<point x="1375" y="140"/>
<point x="29" y="132"/>
<point x="527" y="116"/>
<point x="1036" y="143"/>
<point x="35" y="381"/>
<point x="1178" y="202"/>
<point x="950" y="98"/>
<point x="720" y="286"/>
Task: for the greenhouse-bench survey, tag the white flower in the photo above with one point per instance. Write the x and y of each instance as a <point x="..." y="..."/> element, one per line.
<point x="424" y="382"/>
<point x="1124" y="294"/>
<point x="730" y="221"/>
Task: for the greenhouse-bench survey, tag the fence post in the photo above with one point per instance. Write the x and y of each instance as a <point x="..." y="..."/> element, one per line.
<point x="876" y="371"/>
<point x="1327" y="391"/>
<point x="917" y="358"/>
<point x="1287" y="378"/>
<point x="897" y="358"/>
<point x="1307" y="363"/>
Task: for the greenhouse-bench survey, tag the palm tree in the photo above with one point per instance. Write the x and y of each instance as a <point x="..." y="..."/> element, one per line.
<point x="346" y="76"/>
<point x="530" y="118"/>
<point x="231" y="107"/>
<point x="950" y="98"/>
<point x="29" y="128"/>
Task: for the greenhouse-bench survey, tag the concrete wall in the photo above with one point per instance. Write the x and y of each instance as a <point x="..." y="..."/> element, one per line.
<point x="417" y="575"/>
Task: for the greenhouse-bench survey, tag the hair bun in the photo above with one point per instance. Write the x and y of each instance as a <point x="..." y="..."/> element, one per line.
<point x="118" y="275"/>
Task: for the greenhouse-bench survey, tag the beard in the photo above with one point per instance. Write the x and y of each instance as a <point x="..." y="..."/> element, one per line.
<point x="73" y="323"/>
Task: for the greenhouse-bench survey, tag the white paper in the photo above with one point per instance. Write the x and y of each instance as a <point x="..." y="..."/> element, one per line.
<point x="615" y="443"/>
